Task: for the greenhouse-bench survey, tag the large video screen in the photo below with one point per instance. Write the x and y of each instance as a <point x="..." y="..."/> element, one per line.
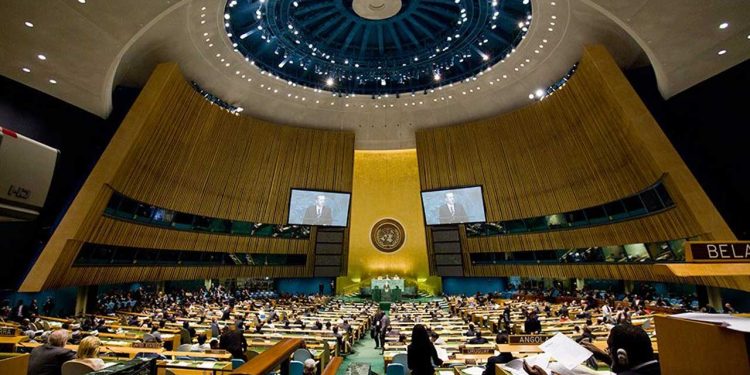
<point x="453" y="206"/>
<point x="324" y="208"/>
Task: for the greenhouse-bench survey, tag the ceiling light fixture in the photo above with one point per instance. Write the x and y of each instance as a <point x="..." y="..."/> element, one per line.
<point x="41" y="57"/>
<point x="26" y="70"/>
<point x="724" y="25"/>
<point x="52" y="81"/>
<point x="28" y="24"/>
<point x="722" y="52"/>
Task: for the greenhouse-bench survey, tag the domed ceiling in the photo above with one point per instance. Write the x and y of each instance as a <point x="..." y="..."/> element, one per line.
<point x="89" y="47"/>
<point x="376" y="47"/>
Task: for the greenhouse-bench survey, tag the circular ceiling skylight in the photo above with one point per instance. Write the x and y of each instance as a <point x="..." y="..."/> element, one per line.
<point x="376" y="47"/>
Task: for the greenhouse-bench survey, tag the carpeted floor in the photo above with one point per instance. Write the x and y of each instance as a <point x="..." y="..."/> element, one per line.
<point x="364" y="351"/>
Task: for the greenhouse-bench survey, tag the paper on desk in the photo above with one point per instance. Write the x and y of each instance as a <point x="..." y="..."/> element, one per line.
<point x="566" y="351"/>
<point x="473" y="370"/>
<point x="445" y="372"/>
<point x="442" y="353"/>
<point x="735" y="323"/>
<point x="207" y="364"/>
<point x="541" y="360"/>
<point x="578" y="370"/>
<point x="515" y="366"/>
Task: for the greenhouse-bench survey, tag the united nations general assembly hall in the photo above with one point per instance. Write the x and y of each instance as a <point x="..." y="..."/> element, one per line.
<point x="374" y="187"/>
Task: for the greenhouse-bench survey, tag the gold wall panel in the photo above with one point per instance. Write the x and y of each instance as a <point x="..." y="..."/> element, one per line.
<point x="590" y="143"/>
<point x="178" y="151"/>
<point x="386" y="185"/>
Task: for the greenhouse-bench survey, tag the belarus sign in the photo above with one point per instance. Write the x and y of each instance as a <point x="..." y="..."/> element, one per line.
<point x="710" y="251"/>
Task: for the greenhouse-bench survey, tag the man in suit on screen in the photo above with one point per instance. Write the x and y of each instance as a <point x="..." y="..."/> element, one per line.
<point x="319" y="213"/>
<point x="451" y="211"/>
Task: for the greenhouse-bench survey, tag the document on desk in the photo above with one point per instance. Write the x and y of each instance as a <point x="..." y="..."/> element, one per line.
<point x="566" y="351"/>
<point x="515" y="366"/>
<point x="442" y="353"/>
<point x="207" y="364"/>
<point x="473" y="371"/>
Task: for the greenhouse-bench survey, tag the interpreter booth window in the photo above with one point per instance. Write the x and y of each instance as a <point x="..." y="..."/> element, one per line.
<point x="183" y="221"/>
<point x="587" y="255"/>
<point x="634" y="205"/>
<point x="616" y="210"/>
<point x="577" y="218"/>
<point x="614" y="254"/>
<point x="596" y="215"/>
<point x="556" y="221"/>
<point x="637" y="253"/>
<point x="162" y="216"/>
<point x="516" y="226"/>
<point x="652" y="201"/>
<point x="147" y="257"/>
<point x="123" y="256"/>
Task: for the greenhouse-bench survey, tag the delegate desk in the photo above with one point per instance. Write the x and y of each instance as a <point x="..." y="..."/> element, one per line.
<point x="218" y="356"/>
<point x="192" y="367"/>
<point x="124" y="351"/>
<point x="8" y="343"/>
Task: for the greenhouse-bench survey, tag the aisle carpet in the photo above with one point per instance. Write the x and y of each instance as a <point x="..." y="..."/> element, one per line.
<point x="364" y="351"/>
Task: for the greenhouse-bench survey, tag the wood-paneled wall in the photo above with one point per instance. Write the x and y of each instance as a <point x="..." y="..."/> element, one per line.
<point x="178" y="151"/>
<point x="590" y="143"/>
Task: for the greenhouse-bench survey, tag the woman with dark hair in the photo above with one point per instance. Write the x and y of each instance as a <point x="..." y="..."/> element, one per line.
<point x="421" y="354"/>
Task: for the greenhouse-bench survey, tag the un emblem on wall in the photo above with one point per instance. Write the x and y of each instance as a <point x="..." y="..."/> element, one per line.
<point x="387" y="235"/>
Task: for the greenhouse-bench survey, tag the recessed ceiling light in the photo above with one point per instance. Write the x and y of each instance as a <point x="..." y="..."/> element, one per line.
<point x="26" y="70"/>
<point x="722" y="52"/>
<point x="539" y="93"/>
<point x="52" y="81"/>
<point x="41" y="57"/>
<point x="28" y="24"/>
<point x="724" y="25"/>
<point x="82" y="1"/>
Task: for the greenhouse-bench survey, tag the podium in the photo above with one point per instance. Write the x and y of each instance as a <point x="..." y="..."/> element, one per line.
<point x="696" y="347"/>
<point x="379" y="295"/>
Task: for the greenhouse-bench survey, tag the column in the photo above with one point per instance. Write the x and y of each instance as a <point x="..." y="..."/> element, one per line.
<point x="160" y="286"/>
<point x="714" y="297"/>
<point x="82" y="295"/>
<point x="628" y="285"/>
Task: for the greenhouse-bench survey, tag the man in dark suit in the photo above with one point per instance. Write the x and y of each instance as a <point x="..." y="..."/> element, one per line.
<point x="48" y="359"/>
<point x="234" y="342"/>
<point x="319" y="213"/>
<point x="503" y="357"/>
<point x="451" y="211"/>
<point x="385" y="322"/>
<point x="478" y="339"/>
<point x="532" y="324"/>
